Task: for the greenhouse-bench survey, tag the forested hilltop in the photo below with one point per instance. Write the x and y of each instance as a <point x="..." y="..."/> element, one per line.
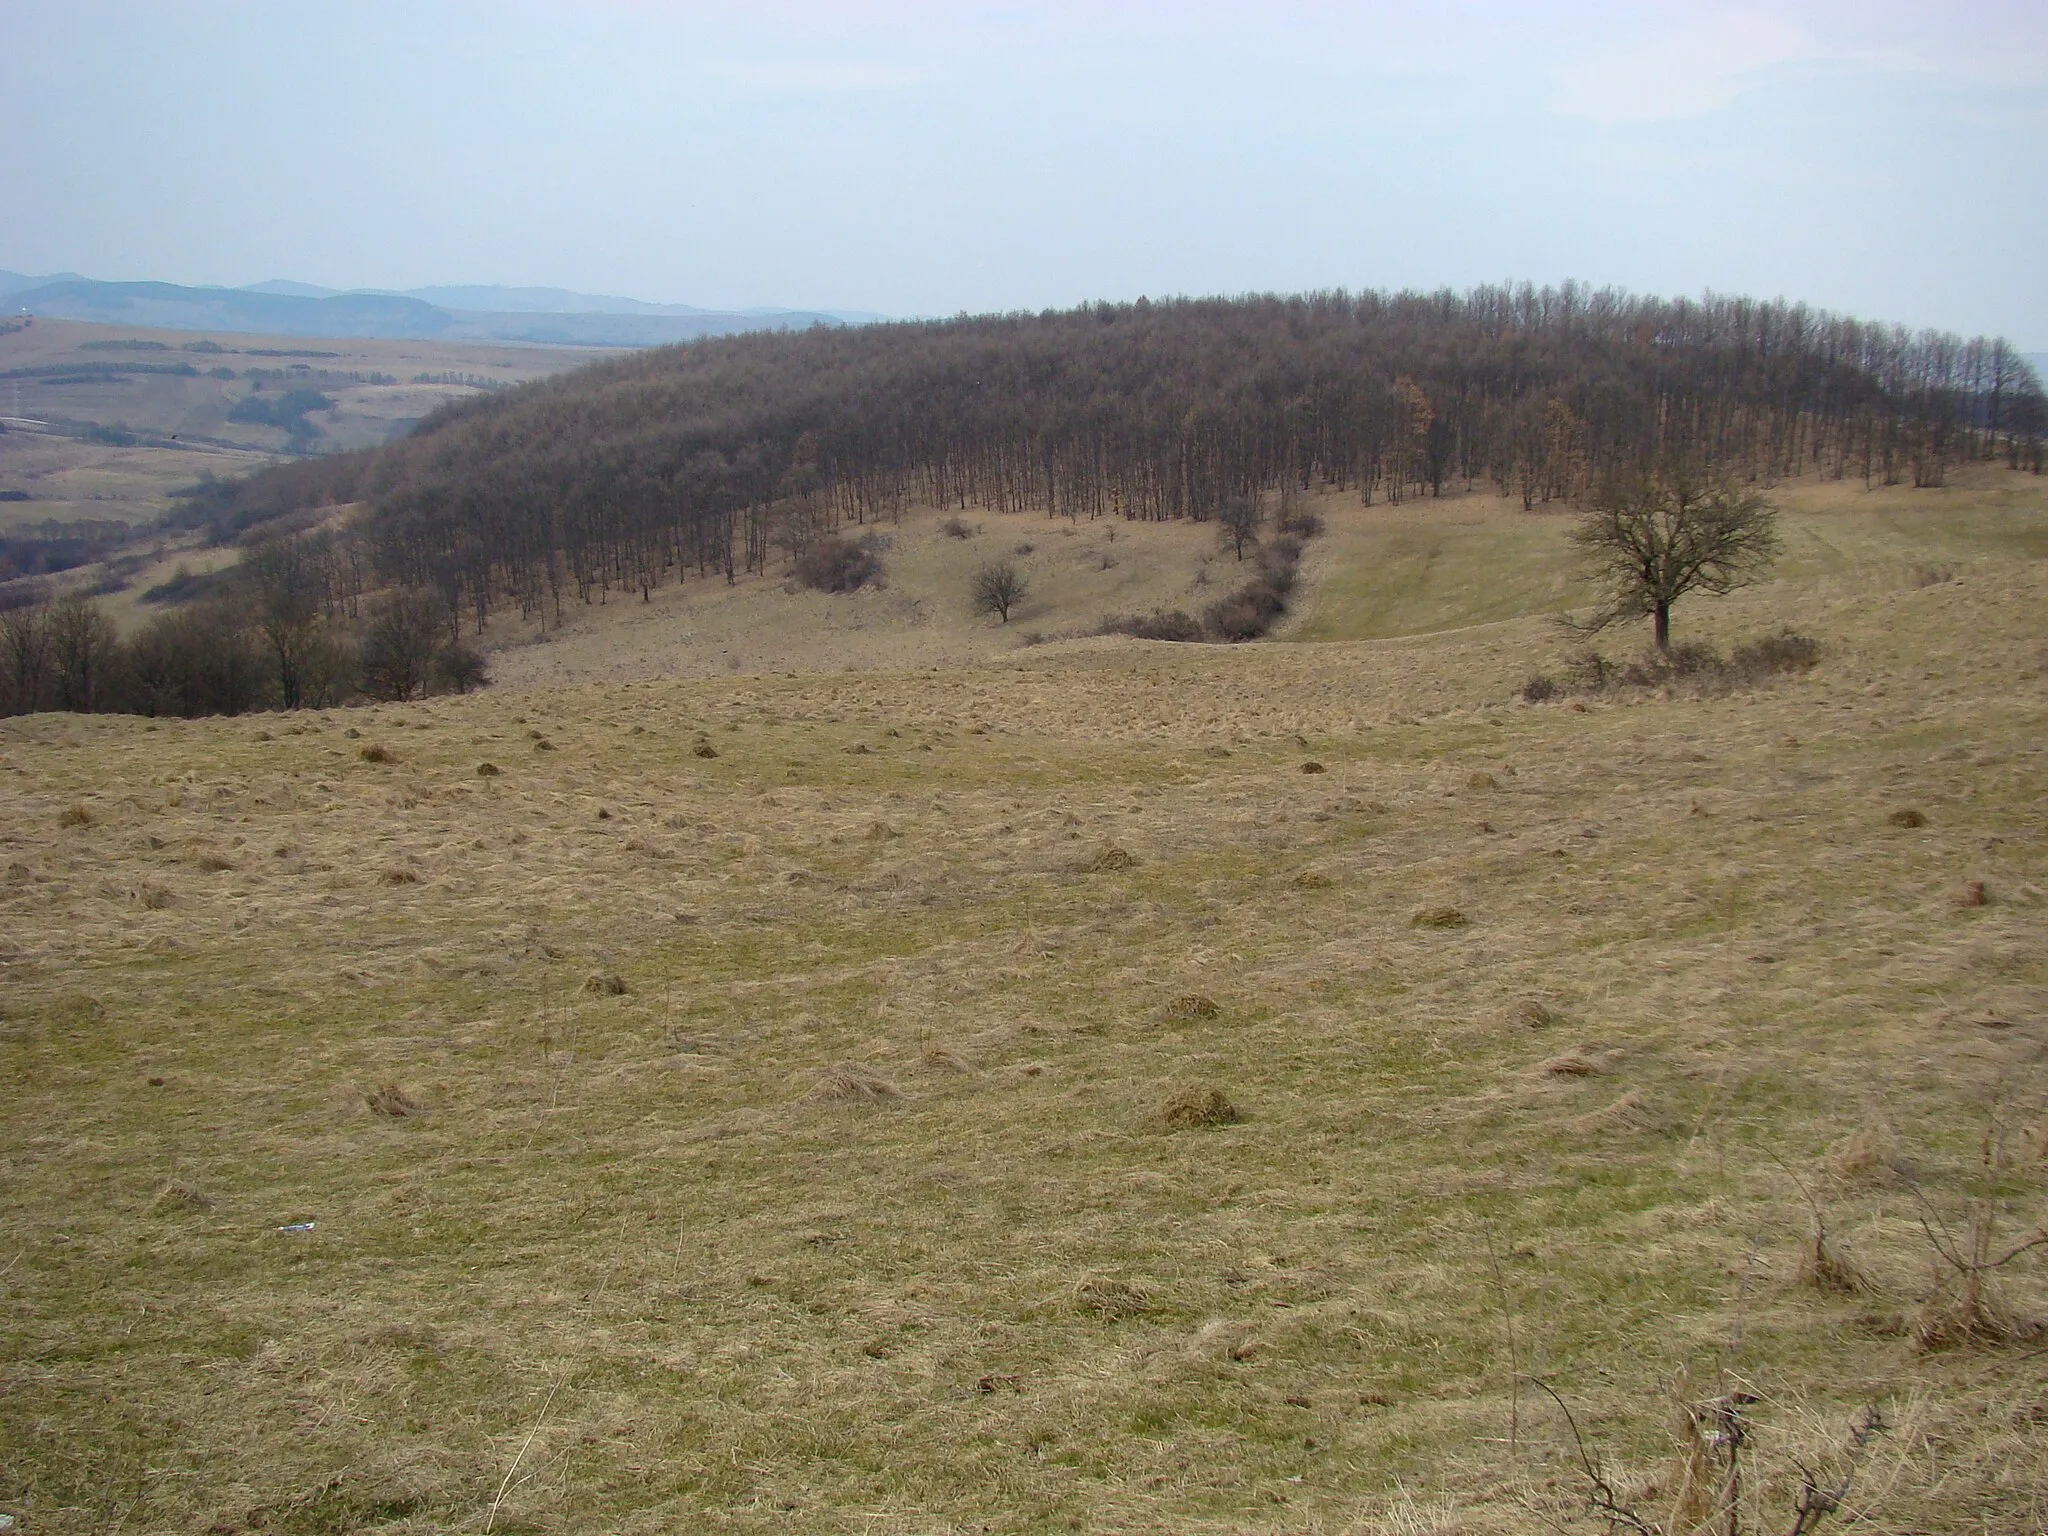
<point x="716" y="455"/>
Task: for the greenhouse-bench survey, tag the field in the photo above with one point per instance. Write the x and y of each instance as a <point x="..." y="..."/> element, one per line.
<point x="1088" y="1086"/>
<point x="68" y="372"/>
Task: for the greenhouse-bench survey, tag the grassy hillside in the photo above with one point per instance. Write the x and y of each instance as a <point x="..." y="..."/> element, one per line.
<point x="753" y="1106"/>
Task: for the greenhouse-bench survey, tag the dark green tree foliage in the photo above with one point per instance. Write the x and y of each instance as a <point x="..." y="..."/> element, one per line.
<point x="713" y="455"/>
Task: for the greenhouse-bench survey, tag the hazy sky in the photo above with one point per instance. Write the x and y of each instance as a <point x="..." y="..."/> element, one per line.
<point x="1889" y="159"/>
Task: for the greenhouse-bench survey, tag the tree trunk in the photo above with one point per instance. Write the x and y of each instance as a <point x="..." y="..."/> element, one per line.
<point x="1663" y="625"/>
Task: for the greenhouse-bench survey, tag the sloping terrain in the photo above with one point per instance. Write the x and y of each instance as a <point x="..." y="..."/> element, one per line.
<point x="1111" y="1087"/>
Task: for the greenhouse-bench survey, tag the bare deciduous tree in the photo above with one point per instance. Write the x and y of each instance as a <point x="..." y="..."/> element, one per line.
<point x="1655" y="537"/>
<point x="999" y="587"/>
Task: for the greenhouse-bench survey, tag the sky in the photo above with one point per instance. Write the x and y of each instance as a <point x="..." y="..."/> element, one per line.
<point x="1886" y="158"/>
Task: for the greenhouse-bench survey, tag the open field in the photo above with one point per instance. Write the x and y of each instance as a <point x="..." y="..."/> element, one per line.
<point x="748" y="1107"/>
<point x="63" y="371"/>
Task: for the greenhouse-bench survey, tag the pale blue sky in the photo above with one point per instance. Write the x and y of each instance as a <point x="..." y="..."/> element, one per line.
<point x="1889" y="159"/>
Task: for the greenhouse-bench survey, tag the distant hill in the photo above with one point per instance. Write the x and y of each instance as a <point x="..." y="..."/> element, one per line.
<point x="488" y="313"/>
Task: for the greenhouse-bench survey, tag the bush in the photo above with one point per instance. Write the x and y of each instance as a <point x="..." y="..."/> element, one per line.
<point x="956" y="528"/>
<point x="1786" y="651"/>
<point x="1301" y="524"/>
<point x="1540" y="688"/>
<point x="1246" y="613"/>
<point x="1160" y="624"/>
<point x="833" y="564"/>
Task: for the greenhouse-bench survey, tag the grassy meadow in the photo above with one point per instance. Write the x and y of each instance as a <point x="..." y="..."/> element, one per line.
<point x="1097" y="1086"/>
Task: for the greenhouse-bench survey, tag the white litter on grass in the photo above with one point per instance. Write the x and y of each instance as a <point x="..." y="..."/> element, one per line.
<point x="297" y="1226"/>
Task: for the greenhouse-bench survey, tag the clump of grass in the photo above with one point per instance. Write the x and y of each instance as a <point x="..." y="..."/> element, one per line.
<point x="1439" y="917"/>
<point x="214" y="863"/>
<point x="1312" y="766"/>
<point x="177" y="1197"/>
<point x="704" y="749"/>
<point x="1907" y="816"/>
<point x="850" y="1082"/>
<point x="1574" y="1064"/>
<point x="390" y="1100"/>
<point x="1112" y="1300"/>
<point x="958" y="528"/>
<point x="1194" y="1109"/>
<point x="1482" y="781"/>
<point x="487" y="770"/>
<point x="1110" y="860"/>
<point x="1867" y="1155"/>
<point x="941" y="1059"/>
<point x="377" y="752"/>
<point x="1190" y="1008"/>
<point x="1312" y="880"/>
<point x="1823" y="1267"/>
<point x="1536" y="1014"/>
<point x="1630" y="1112"/>
<point x="1975" y="893"/>
<point x="153" y="897"/>
<point x="1693" y="663"/>
<point x="605" y="984"/>
<point x="75" y="816"/>
<point x="399" y="874"/>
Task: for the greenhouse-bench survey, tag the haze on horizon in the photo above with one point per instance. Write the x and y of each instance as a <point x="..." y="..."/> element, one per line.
<point x="1882" y="158"/>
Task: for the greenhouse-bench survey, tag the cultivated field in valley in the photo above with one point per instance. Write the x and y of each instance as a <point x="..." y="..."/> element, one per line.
<point x="785" y="1102"/>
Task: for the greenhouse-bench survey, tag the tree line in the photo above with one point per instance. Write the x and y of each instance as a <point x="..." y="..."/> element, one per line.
<point x="720" y="455"/>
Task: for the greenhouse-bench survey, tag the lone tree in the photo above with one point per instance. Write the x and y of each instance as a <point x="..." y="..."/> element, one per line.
<point x="998" y="588"/>
<point x="1656" y="536"/>
<point x="1238" y="519"/>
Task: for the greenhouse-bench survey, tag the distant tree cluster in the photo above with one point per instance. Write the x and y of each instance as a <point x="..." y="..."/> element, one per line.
<point x="721" y="454"/>
<point x="291" y="629"/>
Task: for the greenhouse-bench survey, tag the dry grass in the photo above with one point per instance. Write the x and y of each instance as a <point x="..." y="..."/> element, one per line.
<point x="1194" y="1109"/>
<point x="628" y="1243"/>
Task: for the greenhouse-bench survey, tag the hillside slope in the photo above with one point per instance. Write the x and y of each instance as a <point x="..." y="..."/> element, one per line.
<point x="1111" y="1088"/>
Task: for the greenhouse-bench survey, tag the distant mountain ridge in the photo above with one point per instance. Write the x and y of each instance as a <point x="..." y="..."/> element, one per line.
<point x="448" y="313"/>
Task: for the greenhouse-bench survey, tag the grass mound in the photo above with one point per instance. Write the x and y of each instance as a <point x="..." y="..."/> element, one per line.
<point x="1194" y="1109"/>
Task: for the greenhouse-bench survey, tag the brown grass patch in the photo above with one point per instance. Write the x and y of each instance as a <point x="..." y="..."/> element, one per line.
<point x="940" y="1059"/>
<point x="1191" y="1007"/>
<point x="1823" y="1267"/>
<point x="391" y="1100"/>
<point x="1868" y="1155"/>
<point x="74" y="816"/>
<point x="1534" y="1013"/>
<point x="1110" y="860"/>
<point x="1482" y="781"/>
<point x="1312" y="880"/>
<point x="1439" y="917"/>
<point x="177" y="1196"/>
<point x="377" y="752"/>
<point x="1112" y="1300"/>
<point x="1194" y="1109"/>
<point x="704" y="749"/>
<point x="850" y="1082"/>
<point x="1907" y="817"/>
<point x="487" y="770"/>
<point x="398" y="874"/>
<point x="1312" y="766"/>
<point x="1975" y="893"/>
<point x="214" y="863"/>
<point x="1574" y="1064"/>
<point x="605" y="984"/>
<point x="1630" y="1112"/>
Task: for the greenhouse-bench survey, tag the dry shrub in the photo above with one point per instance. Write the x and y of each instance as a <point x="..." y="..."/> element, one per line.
<point x="833" y="564"/>
<point x="1540" y="687"/>
<point x="178" y="1196"/>
<point x="1975" y="893"/>
<point x="487" y="770"/>
<point x="1191" y="1007"/>
<point x="1967" y="1315"/>
<point x="1110" y="860"/>
<point x="398" y="874"/>
<point x="1536" y="1014"/>
<point x="1313" y="767"/>
<point x="1824" y="1267"/>
<point x="392" y="1100"/>
<point x="605" y="984"/>
<point x="1439" y="917"/>
<point x="1786" y="651"/>
<point x="1312" y="880"/>
<point x="1907" y="817"/>
<point x="849" y="1082"/>
<point x="1161" y="624"/>
<point x="1111" y="1300"/>
<point x="704" y="749"/>
<point x="377" y="753"/>
<point x="75" y="816"/>
<point x="1194" y="1109"/>
<point x="958" y="528"/>
<point x="1868" y="1155"/>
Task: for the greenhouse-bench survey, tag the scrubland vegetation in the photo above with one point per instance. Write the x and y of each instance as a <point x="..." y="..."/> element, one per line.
<point x="1111" y="1087"/>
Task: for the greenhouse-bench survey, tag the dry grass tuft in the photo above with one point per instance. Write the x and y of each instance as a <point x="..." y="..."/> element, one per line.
<point x="376" y="752"/>
<point x="1975" y="893"/>
<point x="1534" y="1013"/>
<point x="1482" y="781"/>
<point x="1439" y="917"/>
<point x="1190" y="1007"/>
<point x="75" y="816"/>
<point x="153" y="897"/>
<point x="487" y="770"/>
<point x="881" y="832"/>
<point x="1970" y="1317"/>
<point x="1312" y="880"/>
<point x="1112" y="1300"/>
<point x="1194" y="1109"/>
<point x="1907" y="817"/>
<point x="1868" y="1155"/>
<point x="704" y="749"/>
<point x="178" y="1196"/>
<point x="849" y="1082"/>
<point x="392" y="1100"/>
<point x="940" y="1059"/>
<point x="399" y="874"/>
<point x="1824" y="1267"/>
<point x="1312" y="766"/>
<point x="605" y="984"/>
<point x="1574" y="1064"/>
<point x="1630" y="1112"/>
<point x="1110" y="860"/>
<point x="214" y="863"/>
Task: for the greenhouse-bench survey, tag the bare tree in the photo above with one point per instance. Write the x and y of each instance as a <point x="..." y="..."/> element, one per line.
<point x="1238" y="519"/>
<point x="24" y="659"/>
<point x="1655" y="537"/>
<point x="999" y="587"/>
<point x="401" y="644"/>
<point x="288" y="578"/>
<point x="84" y="649"/>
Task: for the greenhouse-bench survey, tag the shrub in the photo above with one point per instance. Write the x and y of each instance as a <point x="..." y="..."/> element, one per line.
<point x="1301" y="524"/>
<point x="1786" y="651"/>
<point x="833" y="564"/>
<point x="1539" y="688"/>
<point x="958" y="528"/>
<point x="1160" y="624"/>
